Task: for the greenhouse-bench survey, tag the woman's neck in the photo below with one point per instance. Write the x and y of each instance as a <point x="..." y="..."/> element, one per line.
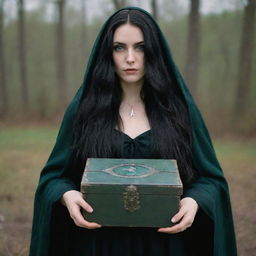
<point x="131" y="92"/>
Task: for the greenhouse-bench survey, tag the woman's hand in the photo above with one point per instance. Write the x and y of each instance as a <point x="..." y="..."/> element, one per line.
<point x="185" y="216"/>
<point x="73" y="200"/>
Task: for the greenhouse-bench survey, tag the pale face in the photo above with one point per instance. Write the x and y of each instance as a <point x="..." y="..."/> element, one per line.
<point x="128" y="54"/>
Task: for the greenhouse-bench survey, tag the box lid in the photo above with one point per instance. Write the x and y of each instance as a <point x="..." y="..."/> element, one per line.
<point x="151" y="176"/>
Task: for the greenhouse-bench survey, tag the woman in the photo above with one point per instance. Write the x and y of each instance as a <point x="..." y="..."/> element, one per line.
<point x="133" y="103"/>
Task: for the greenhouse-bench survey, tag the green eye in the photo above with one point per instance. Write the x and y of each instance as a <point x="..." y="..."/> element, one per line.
<point x="140" y="47"/>
<point x="118" y="48"/>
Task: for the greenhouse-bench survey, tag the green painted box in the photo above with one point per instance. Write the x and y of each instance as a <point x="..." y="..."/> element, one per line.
<point x="131" y="192"/>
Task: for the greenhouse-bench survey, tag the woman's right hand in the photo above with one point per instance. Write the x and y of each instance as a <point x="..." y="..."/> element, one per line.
<point x="74" y="201"/>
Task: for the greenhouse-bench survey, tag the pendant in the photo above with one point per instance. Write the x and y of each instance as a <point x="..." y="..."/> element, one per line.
<point x="132" y="113"/>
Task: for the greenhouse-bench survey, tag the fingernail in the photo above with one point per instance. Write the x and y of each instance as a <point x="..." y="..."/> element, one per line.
<point x="173" y="220"/>
<point x="90" y="210"/>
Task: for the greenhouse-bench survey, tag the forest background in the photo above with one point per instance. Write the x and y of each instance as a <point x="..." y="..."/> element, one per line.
<point x="44" y="48"/>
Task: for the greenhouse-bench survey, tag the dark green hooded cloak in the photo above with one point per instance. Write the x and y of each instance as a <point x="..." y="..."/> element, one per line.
<point x="210" y="190"/>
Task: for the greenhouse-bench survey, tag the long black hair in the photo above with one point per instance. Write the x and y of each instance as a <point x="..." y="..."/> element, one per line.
<point x="98" y="114"/>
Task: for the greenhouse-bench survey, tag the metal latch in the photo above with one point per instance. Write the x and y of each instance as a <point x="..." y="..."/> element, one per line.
<point x="131" y="198"/>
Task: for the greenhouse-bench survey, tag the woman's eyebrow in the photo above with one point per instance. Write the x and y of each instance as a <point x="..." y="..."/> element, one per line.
<point x="141" y="42"/>
<point x="116" y="42"/>
<point x="120" y="43"/>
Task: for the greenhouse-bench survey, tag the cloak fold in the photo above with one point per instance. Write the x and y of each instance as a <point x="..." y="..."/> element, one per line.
<point x="210" y="190"/>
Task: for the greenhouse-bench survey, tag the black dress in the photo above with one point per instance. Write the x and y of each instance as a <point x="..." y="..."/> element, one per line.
<point x="120" y="241"/>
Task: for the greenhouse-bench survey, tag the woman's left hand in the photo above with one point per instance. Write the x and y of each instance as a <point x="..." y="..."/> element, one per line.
<point x="185" y="216"/>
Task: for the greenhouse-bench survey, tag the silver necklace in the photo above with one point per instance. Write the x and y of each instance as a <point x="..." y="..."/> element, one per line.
<point x="132" y="113"/>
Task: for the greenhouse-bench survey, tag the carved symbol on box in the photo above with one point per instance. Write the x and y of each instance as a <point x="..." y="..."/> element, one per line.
<point x="131" y="198"/>
<point x="131" y="170"/>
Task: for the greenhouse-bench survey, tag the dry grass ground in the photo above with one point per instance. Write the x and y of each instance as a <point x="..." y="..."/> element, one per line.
<point x="238" y="159"/>
<point x="23" y="152"/>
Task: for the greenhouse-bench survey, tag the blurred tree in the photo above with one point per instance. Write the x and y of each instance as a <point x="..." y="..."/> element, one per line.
<point x="22" y="54"/>
<point x="60" y="54"/>
<point x="83" y="32"/>
<point x="3" y="91"/>
<point x="236" y="4"/>
<point x="154" y="9"/>
<point x="245" y="59"/>
<point x="119" y="4"/>
<point x="191" y="71"/>
<point x="171" y="10"/>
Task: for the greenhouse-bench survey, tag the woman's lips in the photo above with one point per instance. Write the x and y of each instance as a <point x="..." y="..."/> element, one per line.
<point x="130" y="70"/>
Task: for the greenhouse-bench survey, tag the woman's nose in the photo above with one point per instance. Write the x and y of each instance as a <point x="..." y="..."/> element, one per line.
<point x="130" y="56"/>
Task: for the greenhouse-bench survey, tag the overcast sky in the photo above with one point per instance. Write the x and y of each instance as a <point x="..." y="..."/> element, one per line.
<point x="96" y="8"/>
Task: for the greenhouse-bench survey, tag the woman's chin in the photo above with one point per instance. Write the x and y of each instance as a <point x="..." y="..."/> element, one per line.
<point x="132" y="80"/>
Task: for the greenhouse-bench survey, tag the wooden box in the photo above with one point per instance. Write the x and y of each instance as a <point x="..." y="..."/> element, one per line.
<point x="131" y="192"/>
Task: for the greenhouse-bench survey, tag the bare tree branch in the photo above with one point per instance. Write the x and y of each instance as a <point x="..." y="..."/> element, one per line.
<point x="3" y="89"/>
<point x="119" y="4"/>
<point x="193" y="46"/>
<point x="22" y="53"/>
<point x="60" y="54"/>
<point x="154" y="9"/>
<point x="245" y="63"/>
